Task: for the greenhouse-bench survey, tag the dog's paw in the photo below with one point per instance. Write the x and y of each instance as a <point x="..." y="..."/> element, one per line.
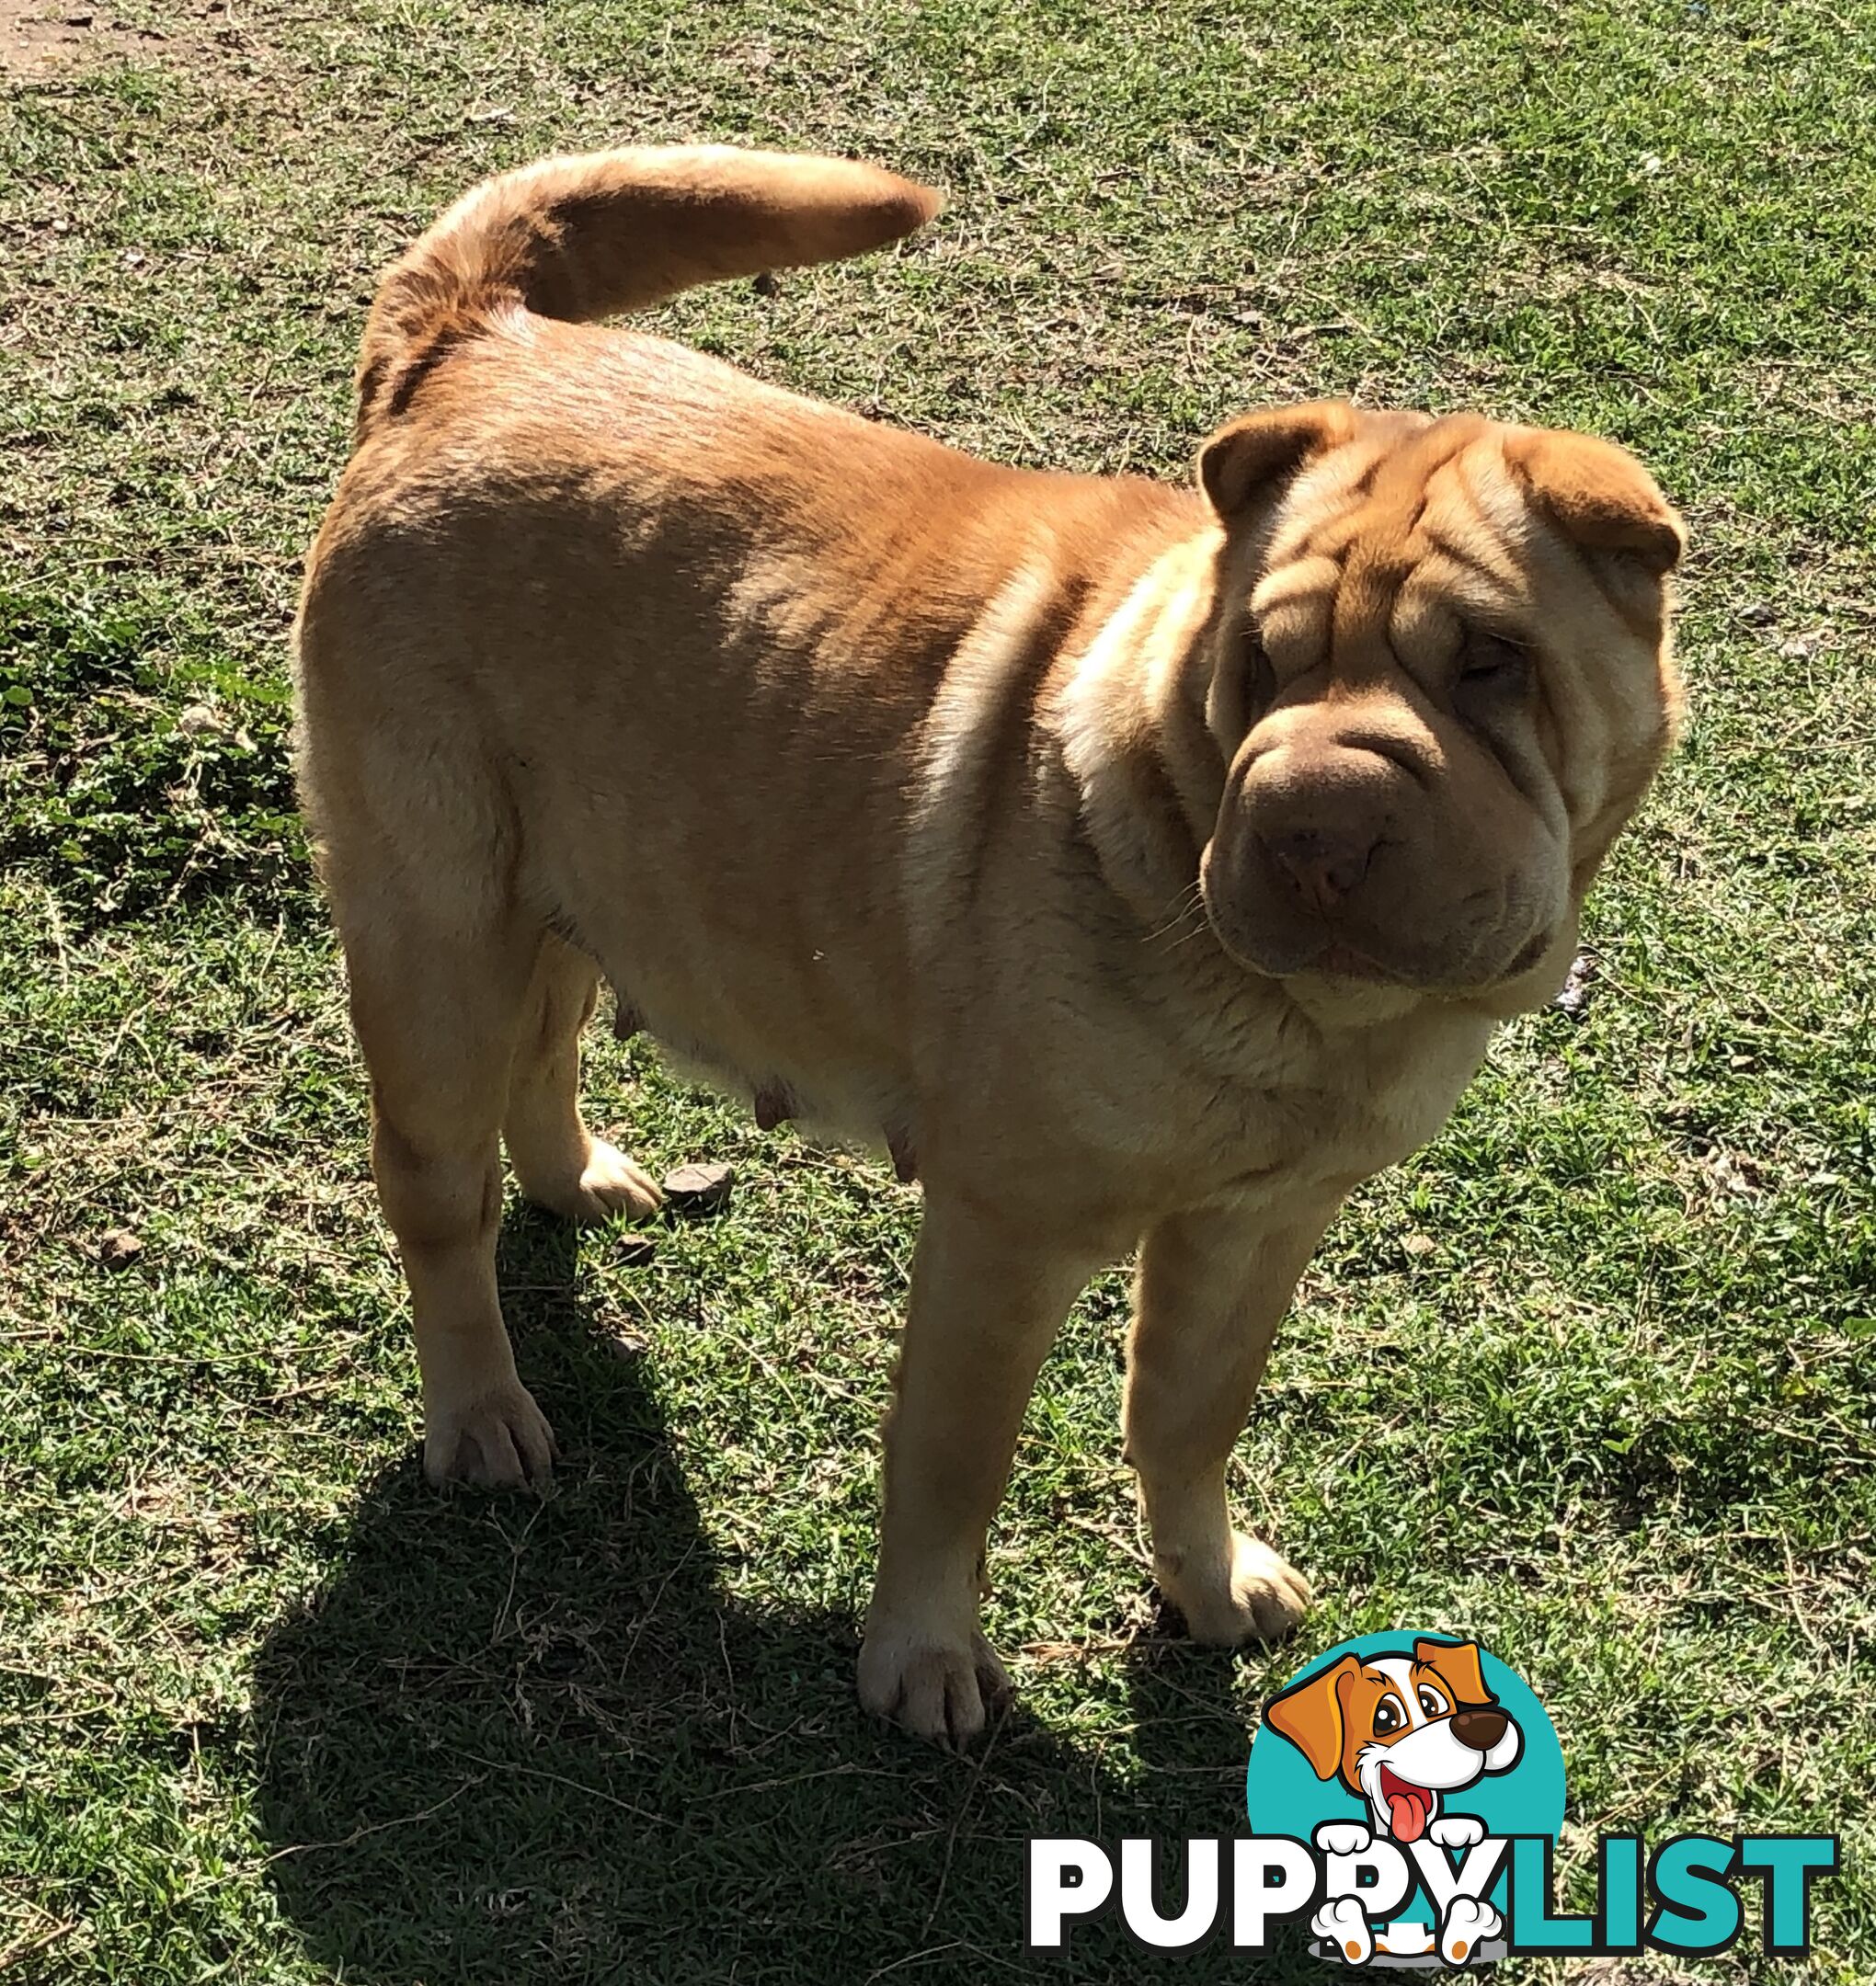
<point x="1456" y="1830"/>
<point x="607" y="1184"/>
<point x="1343" y="1837"/>
<point x="935" y="1688"/>
<point x="1469" y="1922"/>
<point x="1342" y="1925"/>
<point x="499" y="1440"/>
<point x="1262" y="1599"/>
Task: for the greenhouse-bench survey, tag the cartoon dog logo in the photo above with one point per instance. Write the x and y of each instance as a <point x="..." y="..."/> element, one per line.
<point x="1400" y="1732"/>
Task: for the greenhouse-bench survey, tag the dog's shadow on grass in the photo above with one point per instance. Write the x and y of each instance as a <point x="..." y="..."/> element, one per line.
<point x="516" y="1739"/>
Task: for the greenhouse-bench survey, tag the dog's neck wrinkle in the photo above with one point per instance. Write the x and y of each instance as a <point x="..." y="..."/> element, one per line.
<point x="1136" y="736"/>
<point x="1130" y="718"/>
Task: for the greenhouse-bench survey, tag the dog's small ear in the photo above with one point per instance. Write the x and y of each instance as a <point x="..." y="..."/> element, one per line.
<point x="1241" y="462"/>
<point x="1457" y="1663"/>
<point x="1309" y="1715"/>
<point x="1599" y="496"/>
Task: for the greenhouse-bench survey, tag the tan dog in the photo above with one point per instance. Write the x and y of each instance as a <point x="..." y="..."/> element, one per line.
<point x="1142" y="866"/>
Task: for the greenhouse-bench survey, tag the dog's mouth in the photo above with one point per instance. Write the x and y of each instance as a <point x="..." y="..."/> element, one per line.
<point x="1410" y="1807"/>
<point x="1343" y="962"/>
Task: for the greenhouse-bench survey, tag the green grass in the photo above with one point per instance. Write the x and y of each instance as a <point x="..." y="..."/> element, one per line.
<point x="1594" y="1377"/>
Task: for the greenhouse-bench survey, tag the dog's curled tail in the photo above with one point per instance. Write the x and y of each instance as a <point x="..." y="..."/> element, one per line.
<point x="581" y="238"/>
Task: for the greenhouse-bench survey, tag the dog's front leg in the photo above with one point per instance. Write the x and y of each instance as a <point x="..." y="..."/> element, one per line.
<point x="1211" y="1290"/>
<point x="986" y="1301"/>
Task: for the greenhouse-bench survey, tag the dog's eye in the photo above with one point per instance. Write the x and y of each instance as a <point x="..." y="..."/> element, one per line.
<point x="1431" y="1702"/>
<point x="1492" y="662"/>
<point x="1387" y="1716"/>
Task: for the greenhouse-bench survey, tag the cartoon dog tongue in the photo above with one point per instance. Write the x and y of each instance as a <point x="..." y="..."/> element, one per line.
<point x="1409" y="1806"/>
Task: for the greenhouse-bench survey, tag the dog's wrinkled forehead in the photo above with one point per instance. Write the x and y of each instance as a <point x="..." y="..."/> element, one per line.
<point x="1370" y="530"/>
<point x="1368" y="489"/>
<point x="1411" y="523"/>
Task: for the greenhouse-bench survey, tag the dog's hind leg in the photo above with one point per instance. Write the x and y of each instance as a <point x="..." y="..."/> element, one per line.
<point x="438" y="1005"/>
<point x="560" y="1165"/>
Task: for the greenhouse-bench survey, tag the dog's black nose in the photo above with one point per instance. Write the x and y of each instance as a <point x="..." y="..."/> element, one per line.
<point x="1479" y="1730"/>
<point x="1319" y="866"/>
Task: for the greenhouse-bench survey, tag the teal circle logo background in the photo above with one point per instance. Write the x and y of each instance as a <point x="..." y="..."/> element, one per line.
<point x="1283" y="1795"/>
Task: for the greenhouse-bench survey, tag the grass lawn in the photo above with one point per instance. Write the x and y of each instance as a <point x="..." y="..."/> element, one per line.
<point x="1594" y="1377"/>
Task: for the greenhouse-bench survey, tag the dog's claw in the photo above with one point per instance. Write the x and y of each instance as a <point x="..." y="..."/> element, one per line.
<point x="1456" y="1830"/>
<point x="939" y="1689"/>
<point x="1343" y="1837"/>
<point x="1263" y="1598"/>
<point x="608" y="1183"/>
<point x="498" y="1441"/>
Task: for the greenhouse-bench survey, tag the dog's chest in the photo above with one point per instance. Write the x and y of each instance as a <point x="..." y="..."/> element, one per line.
<point x="1273" y="1103"/>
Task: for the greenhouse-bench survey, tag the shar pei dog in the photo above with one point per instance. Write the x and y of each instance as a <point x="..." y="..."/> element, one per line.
<point x="1141" y="866"/>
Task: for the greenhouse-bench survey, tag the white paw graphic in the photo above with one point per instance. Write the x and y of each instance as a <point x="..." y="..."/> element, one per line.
<point x="1343" y="1837"/>
<point x="1456" y="1830"/>
<point x="1342" y="1925"/>
<point x="1468" y="1924"/>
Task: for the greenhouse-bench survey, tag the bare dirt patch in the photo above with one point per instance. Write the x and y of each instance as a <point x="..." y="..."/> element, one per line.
<point x="38" y="39"/>
<point x="46" y="39"/>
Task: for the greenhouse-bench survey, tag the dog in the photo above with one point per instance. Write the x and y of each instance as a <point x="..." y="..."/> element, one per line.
<point x="1141" y="866"/>
<point x="1399" y="1732"/>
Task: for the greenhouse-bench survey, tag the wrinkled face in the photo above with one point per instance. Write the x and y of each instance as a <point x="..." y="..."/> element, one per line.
<point x="1442" y="685"/>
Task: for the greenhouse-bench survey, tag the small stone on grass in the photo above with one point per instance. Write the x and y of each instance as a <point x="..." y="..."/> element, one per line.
<point x="699" y="1189"/>
<point x="1574" y="998"/>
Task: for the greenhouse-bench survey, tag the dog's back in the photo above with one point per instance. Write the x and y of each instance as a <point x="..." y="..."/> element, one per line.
<point x="593" y="618"/>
